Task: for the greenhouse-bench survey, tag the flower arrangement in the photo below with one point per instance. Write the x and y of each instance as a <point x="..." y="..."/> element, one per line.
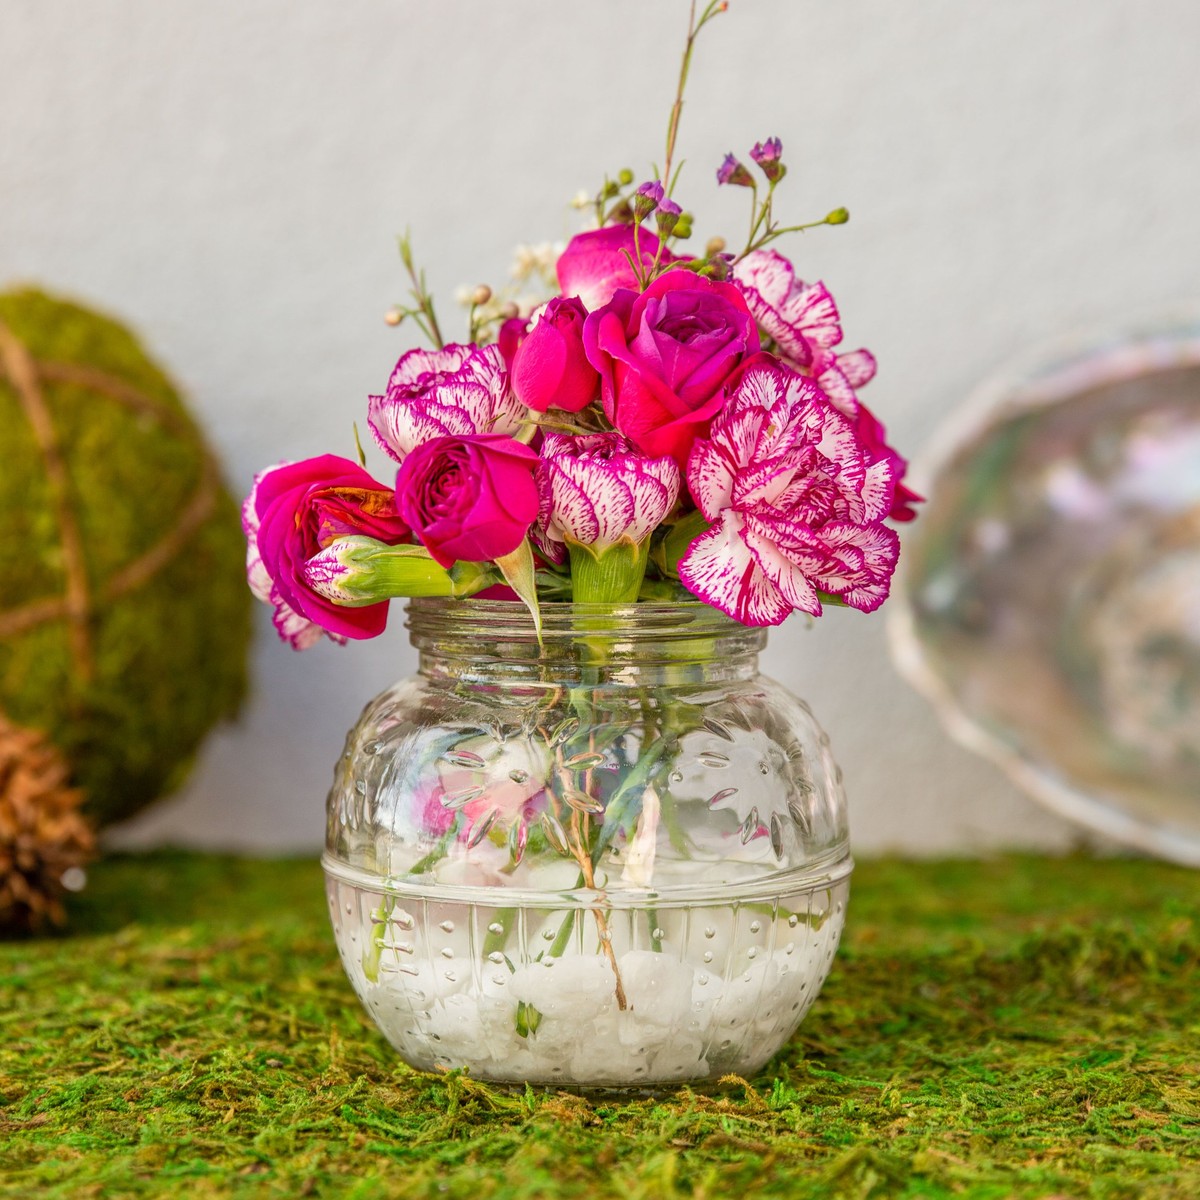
<point x="671" y="425"/>
<point x="588" y="848"/>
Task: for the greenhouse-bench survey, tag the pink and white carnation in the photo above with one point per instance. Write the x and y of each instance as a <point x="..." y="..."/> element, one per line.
<point x="596" y="491"/>
<point x="802" y="318"/>
<point x="796" y="506"/>
<point x="453" y="392"/>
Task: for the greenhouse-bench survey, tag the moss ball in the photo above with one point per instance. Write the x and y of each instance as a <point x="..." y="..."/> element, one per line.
<point x="124" y="613"/>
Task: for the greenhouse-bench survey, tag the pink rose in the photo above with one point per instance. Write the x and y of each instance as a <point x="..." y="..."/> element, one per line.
<point x="550" y="369"/>
<point x="664" y="357"/>
<point x="297" y="509"/>
<point x="594" y="264"/>
<point x="471" y="498"/>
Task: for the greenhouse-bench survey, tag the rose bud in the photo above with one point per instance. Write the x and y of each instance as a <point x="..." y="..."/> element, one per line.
<point x="550" y="368"/>
<point x="470" y="498"/>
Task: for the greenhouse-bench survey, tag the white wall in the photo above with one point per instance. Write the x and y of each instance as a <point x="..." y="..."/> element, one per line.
<point x="229" y="175"/>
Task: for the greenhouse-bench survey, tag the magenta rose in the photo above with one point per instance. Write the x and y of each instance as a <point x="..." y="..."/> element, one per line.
<point x="550" y="368"/>
<point x="469" y="498"/>
<point x="297" y="509"/>
<point x="595" y="264"/>
<point x="664" y="357"/>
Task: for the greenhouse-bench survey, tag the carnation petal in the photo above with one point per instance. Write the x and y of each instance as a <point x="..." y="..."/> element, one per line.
<point x="720" y="569"/>
<point x="571" y="512"/>
<point x="784" y="572"/>
<point x="710" y="479"/>
<point x="798" y="315"/>
<point x="879" y="489"/>
<point x="651" y="500"/>
<point x="422" y="366"/>
<point x="299" y="632"/>
<point x="598" y="507"/>
<point x="858" y="366"/>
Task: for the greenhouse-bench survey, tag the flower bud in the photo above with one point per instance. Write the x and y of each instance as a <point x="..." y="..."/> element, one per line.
<point x="839" y="216"/>
<point x="625" y="178"/>
<point x="393" y="317"/>
<point x="550" y="368"/>
<point x="668" y="216"/>
<point x="714" y="246"/>
<point x="647" y="198"/>
<point x="767" y="154"/>
<point x="732" y="171"/>
<point x="356" y="571"/>
<point x="683" y="228"/>
<point x="481" y="295"/>
<point x="622" y="214"/>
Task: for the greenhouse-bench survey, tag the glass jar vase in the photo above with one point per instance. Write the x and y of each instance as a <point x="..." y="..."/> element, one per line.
<point x="612" y="855"/>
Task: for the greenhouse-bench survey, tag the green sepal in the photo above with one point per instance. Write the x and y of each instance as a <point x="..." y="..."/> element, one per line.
<point x="613" y="576"/>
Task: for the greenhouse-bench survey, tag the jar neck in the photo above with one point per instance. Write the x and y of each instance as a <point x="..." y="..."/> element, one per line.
<point x="640" y="645"/>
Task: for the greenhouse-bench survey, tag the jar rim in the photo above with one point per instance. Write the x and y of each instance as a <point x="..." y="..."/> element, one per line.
<point x="501" y="619"/>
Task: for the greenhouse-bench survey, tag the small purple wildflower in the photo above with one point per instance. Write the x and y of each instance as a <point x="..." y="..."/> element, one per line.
<point x="647" y="198"/>
<point x="768" y="155"/>
<point x="667" y="216"/>
<point x="732" y="171"/>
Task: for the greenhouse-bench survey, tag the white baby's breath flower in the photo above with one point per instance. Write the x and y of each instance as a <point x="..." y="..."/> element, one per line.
<point x="547" y="254"/>
<point x="463" y="294"/>
<point x="581" y="200"/>
<point x="524" y="262"/>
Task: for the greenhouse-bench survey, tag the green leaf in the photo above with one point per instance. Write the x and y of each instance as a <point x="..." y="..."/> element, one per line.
<point x="677" y="541"/>
<point x="520" y="575"/>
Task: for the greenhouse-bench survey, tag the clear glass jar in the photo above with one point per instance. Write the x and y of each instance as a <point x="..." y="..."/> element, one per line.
<point x="614" y="858"/>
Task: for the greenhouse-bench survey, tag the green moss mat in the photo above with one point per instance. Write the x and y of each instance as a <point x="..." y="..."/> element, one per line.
<point x="1020" y="1027"/>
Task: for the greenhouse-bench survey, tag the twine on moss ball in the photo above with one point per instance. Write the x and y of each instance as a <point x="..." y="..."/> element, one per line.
<point x="78" y="604"/>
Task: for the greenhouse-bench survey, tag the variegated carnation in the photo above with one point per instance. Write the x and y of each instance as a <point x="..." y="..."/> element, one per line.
<point x="596" y="491"/>
<point x="796" y="507"/>
<point x="802" y="318"/>
<point x="452" y="392"/>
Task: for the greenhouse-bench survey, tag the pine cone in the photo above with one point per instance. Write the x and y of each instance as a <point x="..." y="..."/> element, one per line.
<point x="44" y="840"/>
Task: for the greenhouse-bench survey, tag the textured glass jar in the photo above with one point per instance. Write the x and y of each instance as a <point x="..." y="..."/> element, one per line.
<point x="617" y="859"/>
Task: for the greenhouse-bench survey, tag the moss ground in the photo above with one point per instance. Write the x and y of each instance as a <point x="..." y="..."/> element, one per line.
<point x="1018" y="1027"/>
